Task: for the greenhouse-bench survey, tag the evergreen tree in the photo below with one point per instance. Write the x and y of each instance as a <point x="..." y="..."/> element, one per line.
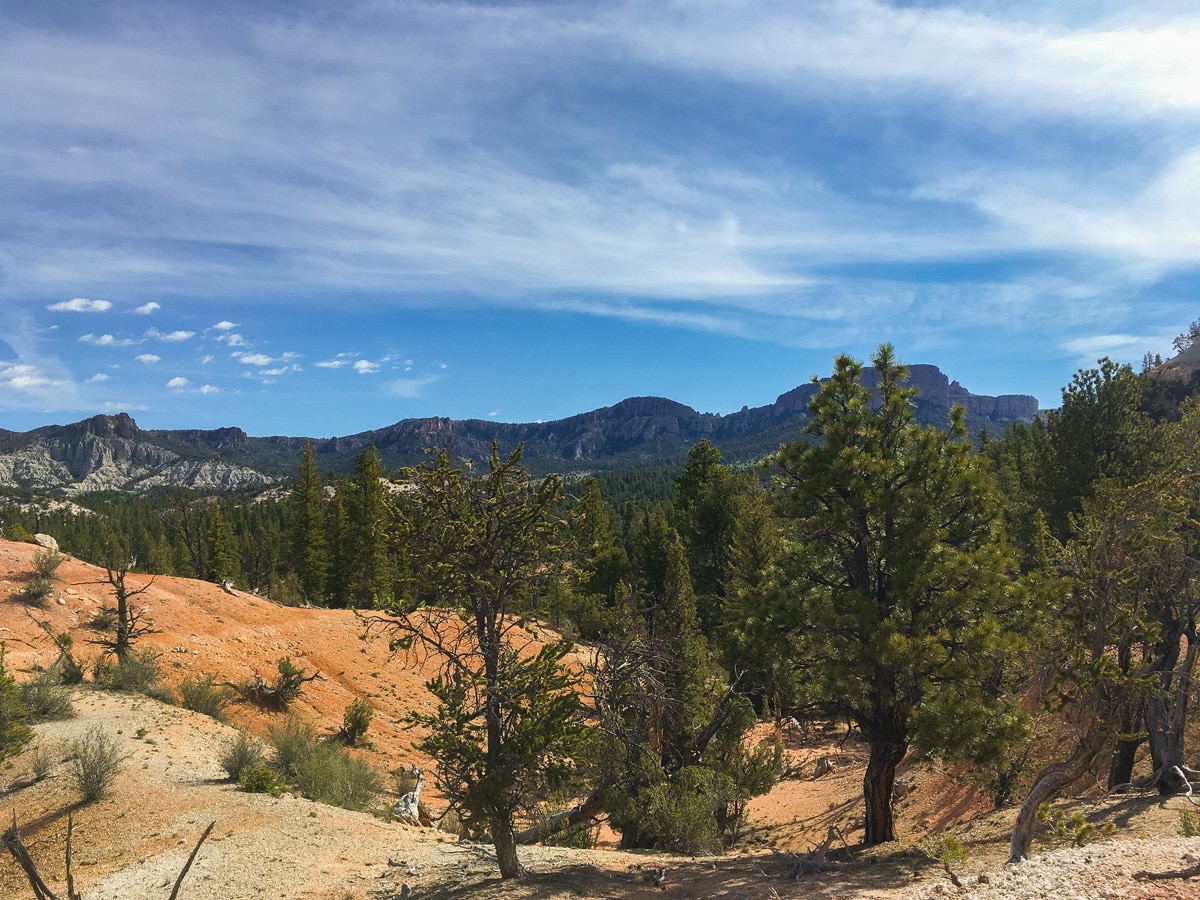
<point x="600" y="565"/>
<point x="221" y="549"/>
<point x="756" y="632"/>
<point x="341" y="557"/>
<point x="899" y="577"/>
<point x="707" y="502"/>
<point x="310" y="559"/>
<point x="663" y="704"/>
<point x="507" y="721"/>
<point x="368" y="514"/>
<point x="1100" y="432"/>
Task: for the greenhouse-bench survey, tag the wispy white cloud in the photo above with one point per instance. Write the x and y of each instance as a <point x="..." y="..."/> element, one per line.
<point x="1120" y="347"/>
<point x="105" y="340"/>
<point x="178" y="383"/>
<point x="411" y="387"/>
<point x="148" y="358"/>
<point x="98" y="378"/>
<point x="81" y="304"/>
<point x="773" y="171"/>
<point x="208" y="389"/>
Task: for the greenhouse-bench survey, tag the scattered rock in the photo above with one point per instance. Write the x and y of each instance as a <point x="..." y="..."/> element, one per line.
<point x="44" y="540"/>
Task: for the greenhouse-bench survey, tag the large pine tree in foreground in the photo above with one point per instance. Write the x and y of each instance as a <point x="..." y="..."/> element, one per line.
<point x="898" y="579"/>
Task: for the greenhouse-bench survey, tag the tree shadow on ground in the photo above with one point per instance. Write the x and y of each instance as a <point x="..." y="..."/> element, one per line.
<point x="739" y="877"/>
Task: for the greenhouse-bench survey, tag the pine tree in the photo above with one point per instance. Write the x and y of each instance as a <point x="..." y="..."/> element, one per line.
<point x="507" y="723"/>
<point x="369" y="522"/>
<point x="901" y="583"/>
<point x="310" y="559"/>
<point x="707" y="502"/>
<point x="221" y="546"/>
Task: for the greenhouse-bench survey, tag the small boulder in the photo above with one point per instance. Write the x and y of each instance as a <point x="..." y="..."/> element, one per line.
<point x="45" y="540"/>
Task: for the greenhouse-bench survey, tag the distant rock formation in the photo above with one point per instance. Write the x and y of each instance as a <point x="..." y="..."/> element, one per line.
<point x="112" y="453"/>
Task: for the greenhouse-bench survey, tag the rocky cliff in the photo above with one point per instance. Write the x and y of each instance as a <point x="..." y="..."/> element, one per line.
<point x="112" y="453"/>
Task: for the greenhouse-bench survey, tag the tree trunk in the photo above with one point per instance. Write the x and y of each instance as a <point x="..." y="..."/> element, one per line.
<point x="1125" y="754"/>
<point x="505" y="843"/>
<point x="1165" y="717"/>
<point x="878" y="784"/>
<point x="1048" y="784"/>
<point x="588" y="809"/>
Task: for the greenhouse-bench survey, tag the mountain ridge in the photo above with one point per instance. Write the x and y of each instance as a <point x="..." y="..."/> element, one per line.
<point x="111" y="452"/>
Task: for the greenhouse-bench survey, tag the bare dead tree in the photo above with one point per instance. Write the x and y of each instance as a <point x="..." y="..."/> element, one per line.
<point x="11" y="839"/>
<point x="130" y="621"/>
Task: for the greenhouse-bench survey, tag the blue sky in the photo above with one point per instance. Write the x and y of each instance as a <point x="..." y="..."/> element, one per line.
<point x="319" y="218"/>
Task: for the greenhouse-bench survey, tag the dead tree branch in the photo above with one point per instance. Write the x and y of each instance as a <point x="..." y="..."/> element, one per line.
<point x="191" y="859"/>
<point x="12" y="841"/>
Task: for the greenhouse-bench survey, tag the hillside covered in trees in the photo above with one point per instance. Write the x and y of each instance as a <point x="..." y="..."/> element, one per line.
<point x="932" y="589"/>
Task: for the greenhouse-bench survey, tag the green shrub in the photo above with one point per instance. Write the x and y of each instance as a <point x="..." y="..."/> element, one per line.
<point x="65" y="670"/>
<point x="37" y="591"/>
<point x="681" y="813"/>
<point x="1189" y="823"/>
<point x="95" y="762"/>
<point x="46" y="563"/>
<point x="103" y="619"/>
<point x="328" y="774"/>
<point x="1073" y="829"/>
<point x="14" y="733"/>
<point x="137" y="674"/>
<point x="202" y="695"/>
<point x="17" y="532"/>
<point x="46" y="699"/>
<point x="261" y="779"/>
<point x="291" y="742"/>
<point x="243" y="753"/>
<point x="355" y="721"/>
<point x="948" y="850"/>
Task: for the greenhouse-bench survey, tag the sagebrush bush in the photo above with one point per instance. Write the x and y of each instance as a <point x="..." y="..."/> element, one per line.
<point x="261" y="779"/>
<point x="138" y="673"/>
<point x="328" y="774"/>
<point x="41" y="761"/>
<point x="103" y="619"/>
<point x="355" y="721"/>
<point x="243" y="752"/>
<point x="46" y="563"/>
<point x="291" y="741"/>
<point x="37" y="591"/>
<point x="95" y="762"/>
<point x="65" y="669"/>
<point x="46" y="699"/>
<point x="203" y="695"/>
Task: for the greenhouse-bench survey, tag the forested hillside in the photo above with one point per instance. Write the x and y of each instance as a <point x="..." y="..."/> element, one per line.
<point x="912" y="582"/>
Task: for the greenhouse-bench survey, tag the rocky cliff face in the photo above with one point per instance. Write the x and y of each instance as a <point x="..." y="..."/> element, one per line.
<point x="112" y="453"/>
